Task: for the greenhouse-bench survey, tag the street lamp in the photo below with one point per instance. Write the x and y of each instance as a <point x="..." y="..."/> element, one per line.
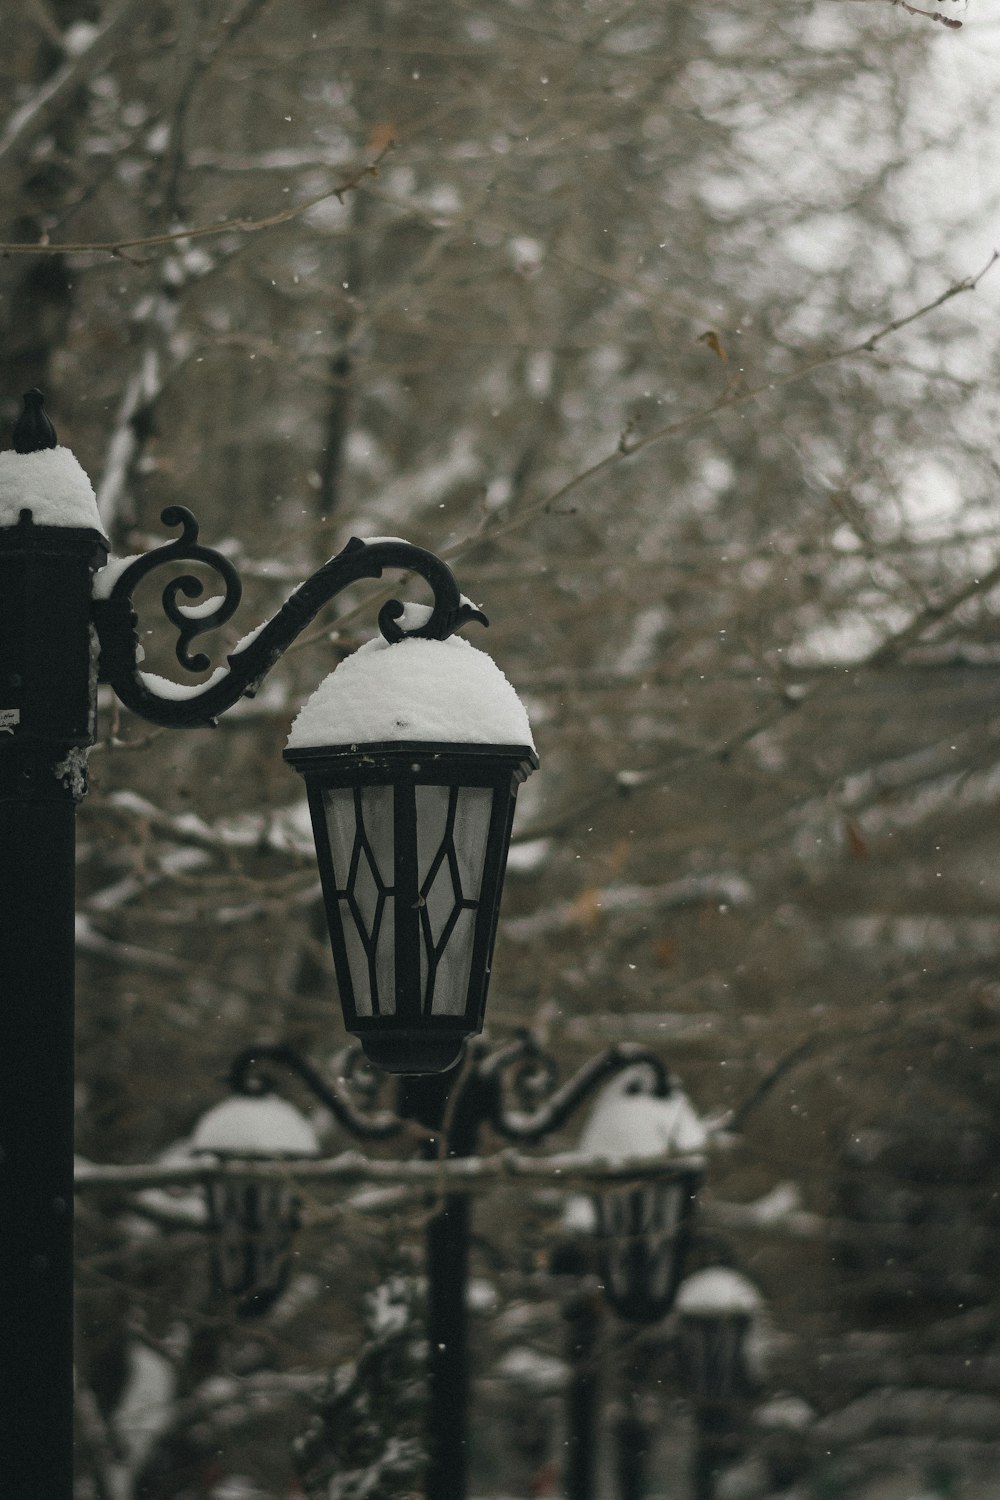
<point x="715" y="1310"/>
<point x="60" y="632"/>
<point x="643" y="1229"/>
<point x="513" y="1089"/>
<point x="412" y="828"/>
<point x="641" y="1233"/>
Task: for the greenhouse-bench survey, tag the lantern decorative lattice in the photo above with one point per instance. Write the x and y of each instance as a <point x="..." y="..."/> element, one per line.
<point x="252" y="1222"/>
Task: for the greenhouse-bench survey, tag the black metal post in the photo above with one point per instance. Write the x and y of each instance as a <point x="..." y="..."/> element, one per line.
<point x="631" y="1449"/>
<point x="583" y="1317"/>
<point x="456" y="1105"/>
<point x="717" y="1444"/>
<point x="705" y="1464"/>
<point x="631" y="1439"/>
<point x="452" y="1107"/>
<point x="47" y="699"/>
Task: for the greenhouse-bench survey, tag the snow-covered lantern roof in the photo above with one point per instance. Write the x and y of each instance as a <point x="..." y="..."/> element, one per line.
<point x="252" y="1223"/>
<point x="715" y="1309"/>
<point x="644" y="1228"/>
<point x="412" y="752"/>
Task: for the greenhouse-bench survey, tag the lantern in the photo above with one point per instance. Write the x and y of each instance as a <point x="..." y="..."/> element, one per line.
<point x="715" y="1308"/>
<point x="412" y="753"/>
<point x="252" y="1222"/>
<point x="643" y="1228"/>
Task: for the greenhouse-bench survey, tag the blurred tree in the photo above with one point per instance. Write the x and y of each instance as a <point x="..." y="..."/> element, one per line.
<point x="668" y="325"/>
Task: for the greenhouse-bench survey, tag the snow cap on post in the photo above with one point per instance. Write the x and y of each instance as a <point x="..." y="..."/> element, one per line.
<point x="413" y="689"/>
<point x="255" y="1126"/>
<point x="717" y="1292"/>
<point x="625" y="1122"/>
<point x="41" y="477"/>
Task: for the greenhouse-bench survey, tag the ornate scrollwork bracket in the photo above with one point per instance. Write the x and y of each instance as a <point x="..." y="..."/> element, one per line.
<point x="514" y="1088"/>
<point x="249" y="1075"/>
<point x="197" y="705"/>
<point x="529" y="1102"/>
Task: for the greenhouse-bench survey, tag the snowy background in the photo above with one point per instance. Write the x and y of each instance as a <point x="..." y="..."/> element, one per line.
<point x="659" y="322"/>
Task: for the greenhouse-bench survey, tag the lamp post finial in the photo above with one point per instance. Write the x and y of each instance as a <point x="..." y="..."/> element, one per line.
<point x="33" y="431"/>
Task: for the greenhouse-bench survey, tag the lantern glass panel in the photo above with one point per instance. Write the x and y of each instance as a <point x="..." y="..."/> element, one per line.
<point x="453" y="825"/>
<point x="412" y="840"/>
<point x="362" y="847"/>
<point x="253" y="1226"/>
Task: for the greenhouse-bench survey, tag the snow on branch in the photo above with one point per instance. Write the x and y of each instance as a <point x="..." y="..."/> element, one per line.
<point x="89" y="940"/>
<point x="286" y="830"/>
<point x="459" y="1174"/>
<point x="724" y="888"/>
<point x="33" y="118"/>
<point x="504" y="520"/>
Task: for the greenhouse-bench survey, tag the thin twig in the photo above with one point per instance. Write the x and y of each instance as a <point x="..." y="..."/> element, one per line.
<point x="221" y="226"/>
<point x="731" y="399"/>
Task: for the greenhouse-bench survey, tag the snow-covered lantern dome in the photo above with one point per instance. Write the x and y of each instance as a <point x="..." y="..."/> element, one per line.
<point x="252" y="1223"/>
<point x="643" y="1228"/>
<point x="412" y="753"/>
<point x="715" y="1309"/>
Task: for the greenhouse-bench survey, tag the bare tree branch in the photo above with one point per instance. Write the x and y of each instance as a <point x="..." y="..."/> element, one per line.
<point x="37" y="114"/>
<point x="241" y="225"/>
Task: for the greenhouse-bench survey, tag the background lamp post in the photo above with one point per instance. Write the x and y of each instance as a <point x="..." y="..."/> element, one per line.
<point x="514" y="1090"/>
<point x="636" y="1235"/>
<point x="62" y="630"/>
<point x="715" y="1310"/>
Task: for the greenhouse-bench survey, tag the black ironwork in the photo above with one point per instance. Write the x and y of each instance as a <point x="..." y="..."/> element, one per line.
<point x="33" y="432"/>
<point x="252" y="1225"/>
<point x="711" y="1349"/>
<point x="49" y="671"/>
<point x="643" y="1235"/>
<point x="514" y="1089"/>
<point x="116" y="619"/>
<point x="248" y="1074"/>
<point x="46" y="723"/>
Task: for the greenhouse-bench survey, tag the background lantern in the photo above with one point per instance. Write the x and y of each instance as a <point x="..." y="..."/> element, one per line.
<point x="643" y="1228"/>
<point x="412" y="752"/>
<point x="252" y="1222"/>
<point x="715" y="1308"/>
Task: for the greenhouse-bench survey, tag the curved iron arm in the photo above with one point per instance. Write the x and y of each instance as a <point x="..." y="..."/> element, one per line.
<point x="200" y="705"/>
<point x="378" y="1125"/>
<point x="533" y="1125"/>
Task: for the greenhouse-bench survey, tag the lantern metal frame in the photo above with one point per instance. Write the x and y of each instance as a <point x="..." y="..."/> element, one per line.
<point x="643" y="1236"/>
<point x="408" y="1030"/>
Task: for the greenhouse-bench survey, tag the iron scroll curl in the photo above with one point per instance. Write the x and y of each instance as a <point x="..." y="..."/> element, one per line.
<point x="199" y="705"/>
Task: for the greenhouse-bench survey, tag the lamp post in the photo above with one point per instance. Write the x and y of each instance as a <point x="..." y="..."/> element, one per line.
<point x="61" y="632"/>
<point x="715" y="1309"/>
<point x="514" y="1090"/>
<point x="637" y="1234"/>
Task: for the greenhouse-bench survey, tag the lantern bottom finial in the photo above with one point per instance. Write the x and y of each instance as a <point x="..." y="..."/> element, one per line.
<point x="413" y="1054"/>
